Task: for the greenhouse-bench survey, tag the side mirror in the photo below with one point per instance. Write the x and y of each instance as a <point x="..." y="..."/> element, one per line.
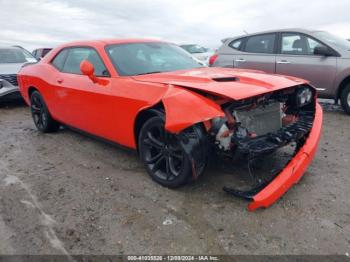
<point x="88" y="69"/>
<point x="323" y="50"/>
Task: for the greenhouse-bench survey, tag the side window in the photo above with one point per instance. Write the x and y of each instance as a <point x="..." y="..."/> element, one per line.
<point x="261" y="44"/>
<point x="311" y="44"/>
<point x="58" y="61"/>
<point x="236" y="44"/>
<point x="298" y="44"/>
<point x="77" y="55"/>
<point x="292" y="44"/>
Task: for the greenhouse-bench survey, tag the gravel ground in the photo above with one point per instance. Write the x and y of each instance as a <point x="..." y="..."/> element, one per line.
<point x="66" y="193"/>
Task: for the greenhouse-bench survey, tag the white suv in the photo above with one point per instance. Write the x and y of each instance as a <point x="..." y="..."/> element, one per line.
<point x="11" y="60"/>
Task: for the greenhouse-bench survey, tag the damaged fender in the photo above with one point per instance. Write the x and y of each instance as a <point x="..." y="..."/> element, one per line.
<point x="185" y="108"/>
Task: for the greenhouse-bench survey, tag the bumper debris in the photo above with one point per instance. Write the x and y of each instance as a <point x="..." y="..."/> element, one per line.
<point x="294" y="169"/>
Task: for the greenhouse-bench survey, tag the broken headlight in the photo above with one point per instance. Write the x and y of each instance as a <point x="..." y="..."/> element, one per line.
<point x="303" y="96"/>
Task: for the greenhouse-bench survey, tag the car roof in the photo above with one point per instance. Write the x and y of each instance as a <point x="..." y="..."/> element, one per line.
<point x="104" y="42"/>
<point x="9" y="47"/>
<point x="299" y="30"/>
<point x="42" y="48"/>
<point x="98" y="43"/>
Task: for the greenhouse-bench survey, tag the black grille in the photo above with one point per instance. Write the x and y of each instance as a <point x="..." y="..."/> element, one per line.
<point x="10" y="78"/>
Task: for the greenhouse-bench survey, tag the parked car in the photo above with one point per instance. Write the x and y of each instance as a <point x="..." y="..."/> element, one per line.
<point x="151" y="96"/>
<point x="201" y="53"/>
<point x="11" y="60"/>
<point x="40" y="52"/>
<point x="318" y="56"/>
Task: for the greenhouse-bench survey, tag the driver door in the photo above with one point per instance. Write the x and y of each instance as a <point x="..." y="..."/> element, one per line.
<point x="84" y="104"/>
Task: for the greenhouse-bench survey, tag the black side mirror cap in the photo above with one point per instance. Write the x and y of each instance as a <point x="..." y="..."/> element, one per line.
<point x="323" y="50"/>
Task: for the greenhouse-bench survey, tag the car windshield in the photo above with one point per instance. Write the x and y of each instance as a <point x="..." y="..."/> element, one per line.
<point x="15" y="55"/>
<point x="146" y="58"/>
<point x="333" y="40"/>
<point x="193" y="49"/>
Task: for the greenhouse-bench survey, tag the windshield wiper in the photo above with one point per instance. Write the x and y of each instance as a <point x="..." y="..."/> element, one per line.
<point x="153" y="72"/>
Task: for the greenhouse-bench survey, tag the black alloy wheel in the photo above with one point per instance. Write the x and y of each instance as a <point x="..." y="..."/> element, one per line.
<point x="163" y="155"/>
<point x="41" y="116"/>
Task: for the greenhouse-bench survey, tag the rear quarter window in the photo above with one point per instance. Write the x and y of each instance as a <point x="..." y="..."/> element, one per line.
<point x="59" y="59"/>
<point x="236" y="44"/>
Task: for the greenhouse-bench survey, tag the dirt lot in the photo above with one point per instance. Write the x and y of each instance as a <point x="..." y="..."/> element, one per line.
<point x="66" y="193"/>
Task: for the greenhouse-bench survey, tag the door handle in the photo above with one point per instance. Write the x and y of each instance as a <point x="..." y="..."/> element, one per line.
<point x="240" y="60"/>
<point x="283" y="62"/>
<point x="60" y="80"/>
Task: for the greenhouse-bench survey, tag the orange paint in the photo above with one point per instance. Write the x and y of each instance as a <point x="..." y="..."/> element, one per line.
<point x="108" y="106"/>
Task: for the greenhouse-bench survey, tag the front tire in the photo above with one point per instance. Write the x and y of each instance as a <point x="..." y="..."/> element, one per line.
<point x="345" y="99"/>
<point x="163" y="155"/>
<point x="40" y="113"/>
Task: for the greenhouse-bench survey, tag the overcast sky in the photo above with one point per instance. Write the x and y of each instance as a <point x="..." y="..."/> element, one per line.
<point x="47" y="23"/>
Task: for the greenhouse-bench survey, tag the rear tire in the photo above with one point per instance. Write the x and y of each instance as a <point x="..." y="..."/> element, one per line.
<point x="41" y="115"/>
<point x="345" y="99"/>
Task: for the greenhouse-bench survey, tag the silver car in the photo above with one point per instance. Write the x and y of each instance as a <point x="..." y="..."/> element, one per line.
<point x="11" y="60"/>
<point x="318" y="56"/>
<point x="199" y="52"/>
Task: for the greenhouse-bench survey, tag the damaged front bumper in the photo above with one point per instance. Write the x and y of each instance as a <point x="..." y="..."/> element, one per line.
<point x="293" y="171"/>
<point x="232" y="136"/>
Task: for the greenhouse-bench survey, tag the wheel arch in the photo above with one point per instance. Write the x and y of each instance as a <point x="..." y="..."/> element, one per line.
<point x="341" y="86"/>
<point x="28" y="92"/>
<point x="193" y="140"/>
<point x="143" y="116"/>
<point x="31" y="89"/>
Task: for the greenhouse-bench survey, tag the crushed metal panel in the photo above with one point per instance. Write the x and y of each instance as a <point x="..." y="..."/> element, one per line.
<point x="185" y="108"/>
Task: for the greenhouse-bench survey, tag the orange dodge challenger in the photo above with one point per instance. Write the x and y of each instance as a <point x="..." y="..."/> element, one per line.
<point x="153" y="97"/>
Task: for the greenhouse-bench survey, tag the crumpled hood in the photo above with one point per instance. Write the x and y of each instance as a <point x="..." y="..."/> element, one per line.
<point x="10" y="68"/>
<point x="232" y="83"/>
